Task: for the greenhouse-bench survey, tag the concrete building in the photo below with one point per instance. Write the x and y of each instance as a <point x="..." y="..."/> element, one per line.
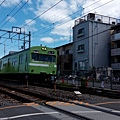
<point x="91" y="42"/>
<point x="115" y="49"/>
<point x="65" y="58"/>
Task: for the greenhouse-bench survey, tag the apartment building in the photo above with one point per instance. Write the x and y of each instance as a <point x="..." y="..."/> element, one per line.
<point x="115" y="49"/>
<point x="91" y="42"/>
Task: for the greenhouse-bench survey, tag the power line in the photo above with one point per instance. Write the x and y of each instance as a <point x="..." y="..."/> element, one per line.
<point x="2" y="2"/>
<point x="42" y="13"/>
<point x="16" y="12"/>
<point x="10" y="12"/>
<point x="72" y="19"/>
<point x="71" y="14"/>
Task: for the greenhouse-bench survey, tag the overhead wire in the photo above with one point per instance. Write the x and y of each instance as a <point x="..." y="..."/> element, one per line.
<point x="84" y="13"/>
<point x="2" y="2"/>
<point x="42" y="13"/>
<point x="15" y="13"/>
<point x="11" y="11"/>
<point x="72" y="19"/>
<point x="70" y="14"/>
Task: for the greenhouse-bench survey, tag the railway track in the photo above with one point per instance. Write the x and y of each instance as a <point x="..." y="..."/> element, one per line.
<point x="27" y="96"/>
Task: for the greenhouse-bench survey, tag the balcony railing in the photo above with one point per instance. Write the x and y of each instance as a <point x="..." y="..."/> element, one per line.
<point x="115" y="51"/>
<point x="115" y="37"/>
<point x="115" y="66"/>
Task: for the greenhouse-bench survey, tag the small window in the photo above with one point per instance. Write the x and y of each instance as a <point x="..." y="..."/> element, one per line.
<point x="67" y="52"/>
<point x="80" y="32"/>
<point x="81" y="47"/>
<point x="21" y="59"/>
<point x="14" y="61"/>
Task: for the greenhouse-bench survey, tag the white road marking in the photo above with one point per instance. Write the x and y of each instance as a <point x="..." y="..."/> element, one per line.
<point x="115" y="111"/>
<point x="85" y="111"/>
<point x="26" y="115"/>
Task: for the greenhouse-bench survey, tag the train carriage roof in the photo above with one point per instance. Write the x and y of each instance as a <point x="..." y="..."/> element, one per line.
<point x="16" y="52"/>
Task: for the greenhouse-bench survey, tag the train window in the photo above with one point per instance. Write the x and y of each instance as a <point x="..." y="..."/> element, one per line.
<point x="14" y="61"/>
<point x="47" y="58"/>
<point x="35" y="57"/>
<point x="21" y="59"/>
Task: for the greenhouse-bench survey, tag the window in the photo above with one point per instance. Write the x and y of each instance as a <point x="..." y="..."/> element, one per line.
<point x="82" y="65"/>
<point x="67" y="52"/>
<point x="14" y="61"/>
<point x="42" y="57"/>
<point x="35" y="57"/>
<point x="21" y="59"/>
<point x="80" y="48"/>
<point x="80" y="32"/>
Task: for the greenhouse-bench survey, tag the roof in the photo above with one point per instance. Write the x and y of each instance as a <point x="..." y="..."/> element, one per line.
<point x="63" y="45"/>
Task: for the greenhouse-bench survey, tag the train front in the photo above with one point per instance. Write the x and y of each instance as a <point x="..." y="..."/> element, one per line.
<point x="43" y="63"/>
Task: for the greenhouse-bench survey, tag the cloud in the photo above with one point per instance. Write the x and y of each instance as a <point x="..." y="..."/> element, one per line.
<point x="110" y="9"/>
<point x="10" y="3"/>
<point x="63" y="30"/>
<point x="10" y="19"/>
<point x="57" y="16"/>
<point x="47" y="39"/>
<point x="29" y="25"/>
<point x="53" y="15"/>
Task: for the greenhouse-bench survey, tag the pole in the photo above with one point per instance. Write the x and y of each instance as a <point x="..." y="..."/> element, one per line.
<point x="29" y="39"/>
<point x="111" y="79"/>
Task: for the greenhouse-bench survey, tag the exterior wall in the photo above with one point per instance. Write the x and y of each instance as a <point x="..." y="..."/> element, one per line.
<point x="79" y="55"/>
<point x="99" y="44"/>
<point x="96" y="40"/>
<point x="115" y="49"/>
<point x="65" y="58"/>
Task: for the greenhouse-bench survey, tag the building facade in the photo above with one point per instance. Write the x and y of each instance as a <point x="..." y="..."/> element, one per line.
<point x="65" y="58"/>
<point x="91" y="42"/>
<point x="115" y="49"/>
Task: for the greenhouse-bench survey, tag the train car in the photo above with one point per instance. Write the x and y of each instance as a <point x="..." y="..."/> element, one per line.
<point x="37" y="63"/>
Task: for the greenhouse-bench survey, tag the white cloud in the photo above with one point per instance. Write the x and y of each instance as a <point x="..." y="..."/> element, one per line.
<point x="63" y="30"/>
<point x="11" y="19"/>
<point x="10" y="3"/>
<point x="55" y="14"/>
<point x="30" y="22"/>
<point x="110" y="9"/>
<point x="47" y="40"/>
<point x="29" y="25"/>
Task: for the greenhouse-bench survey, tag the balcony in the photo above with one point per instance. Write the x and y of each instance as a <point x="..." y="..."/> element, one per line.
<point x="115" y="52"/>
<point x="115" y="37"/>
<point x="115" y="66"/>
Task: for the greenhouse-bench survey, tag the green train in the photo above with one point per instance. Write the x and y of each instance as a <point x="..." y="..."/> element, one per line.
<point x="38" y="63"/>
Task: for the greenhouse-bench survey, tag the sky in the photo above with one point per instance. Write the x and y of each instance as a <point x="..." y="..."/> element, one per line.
<point x="50" y="22"/>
